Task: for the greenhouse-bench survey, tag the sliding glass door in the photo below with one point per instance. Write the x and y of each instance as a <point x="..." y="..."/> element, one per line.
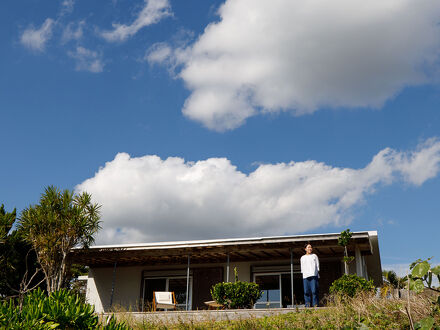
<point x="270" y="284"/>
<point x="277" y="291"/>
<point x="175" y="284"/>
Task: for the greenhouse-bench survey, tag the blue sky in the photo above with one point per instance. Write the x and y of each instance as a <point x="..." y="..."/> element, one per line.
<point x="272" y="115"/>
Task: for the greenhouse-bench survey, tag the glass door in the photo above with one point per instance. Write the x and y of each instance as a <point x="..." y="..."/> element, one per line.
<point x="178" y="286"/>
<point x="277" y="290"/>
<point x="270" y="284"/>
<point x="151" y="285"/>
<point x="173" y="284"/>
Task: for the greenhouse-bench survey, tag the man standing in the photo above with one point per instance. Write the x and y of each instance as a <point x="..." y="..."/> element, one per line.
<point x="310" y="272"/>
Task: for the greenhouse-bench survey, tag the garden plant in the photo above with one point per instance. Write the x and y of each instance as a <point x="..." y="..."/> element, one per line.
<point x="238" y="294"/>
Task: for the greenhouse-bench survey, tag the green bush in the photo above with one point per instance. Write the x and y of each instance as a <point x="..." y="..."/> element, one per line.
<point x="236" y="295"/>
<point x="350" y="285"/>
<point x="60" y="310"/>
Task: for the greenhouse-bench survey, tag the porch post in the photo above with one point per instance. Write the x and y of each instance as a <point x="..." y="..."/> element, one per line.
<point x="227" y="267"/>
<point x="113" y="284"/>
<point x="291" y="274"/>
<point x="187" y="284"/>
<point x="143" y="292"/>
<point x="358" y="257"/>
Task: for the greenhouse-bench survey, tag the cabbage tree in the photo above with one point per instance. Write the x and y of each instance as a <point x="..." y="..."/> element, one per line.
<point x="61" y="221"/>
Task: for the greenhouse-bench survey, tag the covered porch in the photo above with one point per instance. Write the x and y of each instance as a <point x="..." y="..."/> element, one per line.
<point x="126" y="275"/>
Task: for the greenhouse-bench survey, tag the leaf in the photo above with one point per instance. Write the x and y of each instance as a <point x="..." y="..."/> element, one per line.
<point x="417" y="286"/>
<point x="436" y="270"/>
<point x="420" y="269"/>
<point x="425" y="324"/>
<point x="363" y="326"/>
<point x="415" y="263"/>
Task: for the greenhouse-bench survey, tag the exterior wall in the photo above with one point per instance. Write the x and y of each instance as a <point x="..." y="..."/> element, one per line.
<point x="373" y="261"/>
<point x="126" y="287"/>
<point x="93" y="294"/>
<point x="243" y="268"/>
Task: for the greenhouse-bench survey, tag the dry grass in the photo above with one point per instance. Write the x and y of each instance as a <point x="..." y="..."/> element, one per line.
<point x="363" y="310"/>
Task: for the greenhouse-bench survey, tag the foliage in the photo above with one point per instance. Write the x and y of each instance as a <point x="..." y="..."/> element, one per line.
<point x="61" y="221"/>
<point x="420" y="279"/>
<point x="7" y="219"/>
<point x="391" y="282"/>
<point x="347" y="259"/>
<point x="113" y="324"/>
<point x="430" y="322"/>
<point x="426" y="323"/>
<point x="421" y="275"/>
<point x="344" y="240"/>
<point x="391" y="278"/>
<point x="350" y="285"/>
<point x="236" y="295"/>
<point x="76" y="286"/>
<point x="17" y="261"/>
<point x="59" y="310"/>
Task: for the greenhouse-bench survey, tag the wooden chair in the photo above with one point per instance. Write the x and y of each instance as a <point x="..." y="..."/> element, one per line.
<point x="164" y="299"/>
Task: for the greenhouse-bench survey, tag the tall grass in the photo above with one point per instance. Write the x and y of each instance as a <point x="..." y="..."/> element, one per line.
<point x="364" y="310"/>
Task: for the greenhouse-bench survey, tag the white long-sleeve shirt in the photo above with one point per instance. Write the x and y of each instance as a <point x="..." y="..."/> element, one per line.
<point x="309" y="265"/>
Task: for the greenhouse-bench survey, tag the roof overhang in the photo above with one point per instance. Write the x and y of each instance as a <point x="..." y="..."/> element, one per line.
<point x="211" y="251"/>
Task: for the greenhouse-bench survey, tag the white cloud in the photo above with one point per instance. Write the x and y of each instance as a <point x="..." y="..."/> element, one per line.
<point x="163" y="54"/>
<point x="152" y="12"/>
<point x="67" y="7"/>
<point x="150" y="199"/>
<point x="422" y="165"/>
<point x="36" y="39"/>
<point x="158" y="53"/>
<point x="73" y="31"/>
<point x="87" y="60"/>
<point x="299" y="56"/>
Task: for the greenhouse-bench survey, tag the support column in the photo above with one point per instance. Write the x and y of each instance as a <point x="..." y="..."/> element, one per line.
<point x="359" y="266"/>
<point x="113" y="284"/>
<point x="291" y="275"/>
<point x="187" y="284"/>
<point x="227" y="267"/>
<point x="143" y="293"/>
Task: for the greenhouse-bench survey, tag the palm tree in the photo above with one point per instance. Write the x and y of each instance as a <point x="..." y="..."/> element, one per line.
<point x="392" y="280"/>
<point x="61" y="221"/>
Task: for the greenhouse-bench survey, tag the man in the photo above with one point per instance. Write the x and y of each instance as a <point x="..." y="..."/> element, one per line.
<point x="310" y="272"/>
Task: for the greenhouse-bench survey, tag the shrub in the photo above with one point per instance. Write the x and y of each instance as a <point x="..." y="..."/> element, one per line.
<point x="59" y="310"/>
<point x="236" y="295"/>
<point x="350" y="285"/>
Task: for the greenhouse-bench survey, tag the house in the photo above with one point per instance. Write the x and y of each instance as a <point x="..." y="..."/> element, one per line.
<point x="127" y="275"/>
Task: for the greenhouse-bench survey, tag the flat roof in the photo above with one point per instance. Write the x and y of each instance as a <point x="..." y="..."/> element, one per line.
<point x="217" y="250"/>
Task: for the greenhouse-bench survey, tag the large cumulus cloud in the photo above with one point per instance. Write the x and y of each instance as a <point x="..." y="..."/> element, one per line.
<point x="153" y="199"/>
<point x="299" y="56"/>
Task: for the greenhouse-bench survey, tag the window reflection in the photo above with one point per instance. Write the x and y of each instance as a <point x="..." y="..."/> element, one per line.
<point x="270" y="285"/>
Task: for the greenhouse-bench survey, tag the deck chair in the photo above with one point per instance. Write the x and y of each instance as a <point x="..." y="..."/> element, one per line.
<point x="164" y="299"/>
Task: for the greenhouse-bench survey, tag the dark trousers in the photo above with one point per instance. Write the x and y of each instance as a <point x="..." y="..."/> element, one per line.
<point x="311" y="291"/>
